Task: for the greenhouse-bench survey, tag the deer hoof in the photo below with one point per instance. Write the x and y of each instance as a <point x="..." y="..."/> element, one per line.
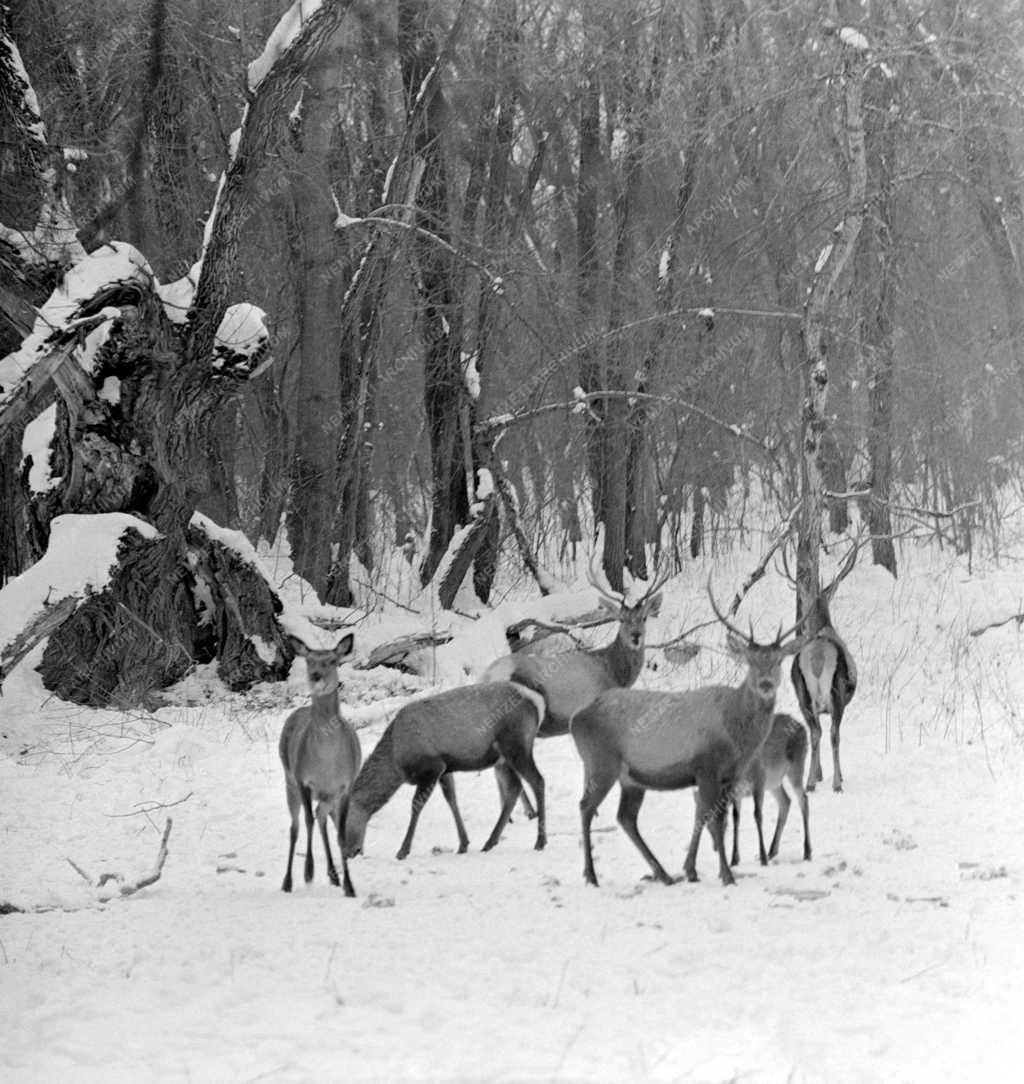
<point x="838" y="787"/>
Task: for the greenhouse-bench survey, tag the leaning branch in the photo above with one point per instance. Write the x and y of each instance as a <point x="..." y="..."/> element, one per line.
<point x="268" y="91"/>
<point x="1018" y="617"/>
<point x="759" y="570"/>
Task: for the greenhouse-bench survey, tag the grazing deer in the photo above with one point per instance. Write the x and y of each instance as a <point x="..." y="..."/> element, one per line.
<point x="569" y="680"/>
<point x="460" y="730"/>
<point x="321" y="757"/>
<point x="824" y="674"/>
<point x="667" y="741"/>
<point x="783" y="756"/>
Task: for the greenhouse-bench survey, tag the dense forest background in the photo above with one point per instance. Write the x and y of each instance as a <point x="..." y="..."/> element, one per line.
<point x="530" y="267"/>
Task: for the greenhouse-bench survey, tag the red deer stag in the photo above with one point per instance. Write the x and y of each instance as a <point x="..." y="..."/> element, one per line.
<point x="703" y="738"/>
<point x="824" y="674"/>
<point x="569" y="680"/>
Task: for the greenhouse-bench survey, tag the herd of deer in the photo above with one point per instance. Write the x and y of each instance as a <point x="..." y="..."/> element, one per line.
<point x="721" y="740"/>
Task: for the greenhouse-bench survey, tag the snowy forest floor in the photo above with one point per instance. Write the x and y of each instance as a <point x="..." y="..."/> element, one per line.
<point x="895" y="955"/>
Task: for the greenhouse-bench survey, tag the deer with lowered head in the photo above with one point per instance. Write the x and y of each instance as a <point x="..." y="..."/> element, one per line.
<point x="320" y="754"/>
<point x="569" y="680"/>
<point x="458" y="730"/>
<point x="703" y="738"/>
<point x="824" y="674"/>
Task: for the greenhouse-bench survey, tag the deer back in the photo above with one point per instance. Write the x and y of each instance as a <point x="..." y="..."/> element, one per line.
<point x="460" y="725"/>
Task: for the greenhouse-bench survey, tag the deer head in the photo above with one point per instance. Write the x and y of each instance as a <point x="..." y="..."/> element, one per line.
<point x="322" y="664"/>
<point x="633" y="616"/>
<point x="764" y="661"/>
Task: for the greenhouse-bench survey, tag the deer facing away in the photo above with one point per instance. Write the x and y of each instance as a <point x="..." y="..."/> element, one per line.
<point x="824" y="675"/>
<point x="703" y="738"/>
<point x="782" y="757"/>
<point x="459" y="730"/>
<point x="321" y="756"/>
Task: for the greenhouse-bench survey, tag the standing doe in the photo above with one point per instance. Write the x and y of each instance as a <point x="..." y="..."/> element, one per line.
<point x="321" y="757"/>
<point x="782" y="757"/>
<point x="824" y="674"/>
<point x="705" y="738"/>
<point x="459" y="730"/>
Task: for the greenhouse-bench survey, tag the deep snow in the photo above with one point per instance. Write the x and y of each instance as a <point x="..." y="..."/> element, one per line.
<point x="895" y="955"/>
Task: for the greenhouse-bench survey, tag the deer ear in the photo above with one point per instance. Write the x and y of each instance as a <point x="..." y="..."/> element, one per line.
<point x="654" y="605"/>
<point x="736" y="644"/>
<point x="609" y="605"/>
<point x="343" y="648"/>
<point x="298" y="646"/>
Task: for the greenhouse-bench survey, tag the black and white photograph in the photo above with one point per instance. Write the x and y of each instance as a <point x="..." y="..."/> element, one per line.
<point x="511" y="541"/>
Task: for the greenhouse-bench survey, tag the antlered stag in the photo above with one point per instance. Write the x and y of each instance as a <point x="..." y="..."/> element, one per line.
<point x="703" y="738"/>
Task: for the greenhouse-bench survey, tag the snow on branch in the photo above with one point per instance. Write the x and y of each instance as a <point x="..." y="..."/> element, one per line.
<point x="87" y="297"/>
<point x="53" y="241"/>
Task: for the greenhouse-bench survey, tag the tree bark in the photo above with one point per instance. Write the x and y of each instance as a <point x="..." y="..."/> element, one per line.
<point x="444" y="391"/>
<point x="817" y="311"/>
<point x="876" y="272"/>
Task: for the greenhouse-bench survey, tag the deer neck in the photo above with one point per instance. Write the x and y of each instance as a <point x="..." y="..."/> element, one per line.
<point x="379" y="778"/>
<point x="818" y="618"/>
<point x="623" y="663"/>
<point x="325" y="712"/>
<point x="751" y="718"/>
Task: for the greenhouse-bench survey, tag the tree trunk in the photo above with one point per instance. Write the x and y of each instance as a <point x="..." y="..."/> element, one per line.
<point x="587" y="286"/>
<point x="324" y="347"/>
<point x="817" y="311"/>
<point x="876" y="272"/>
<point x="444" y="390"/>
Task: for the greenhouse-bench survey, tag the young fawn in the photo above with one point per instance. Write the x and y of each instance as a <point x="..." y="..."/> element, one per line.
<point x="321" y="757"/>
<point x="782" y="757"/>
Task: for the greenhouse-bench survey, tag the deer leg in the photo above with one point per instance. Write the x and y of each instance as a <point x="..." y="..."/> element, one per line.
<point x="342" y="817"/>
<point x="736" y="803"/>
<point x="595" y="789"/>
<point x="511" y="786"/>
<point x="718" y="812"/>
<point x="448" y="790"/>
<point x="783" y="800"/>
<point x="630" y="800"/>
<point x="307" y="805"/>
<point x="419" y="800"/>
<point x="292" y="794"/>
<point x="321" y="816"/>
<point x="699" y="820"/>
<point x="814" y="776"/>
<point x="837" y="773"/>
<point x="528" y="811"/>
<point x="519" y="755"/>
<point x="758" y="811"/>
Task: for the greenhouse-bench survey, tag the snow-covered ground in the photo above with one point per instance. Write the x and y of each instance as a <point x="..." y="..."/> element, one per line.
<point x="895" y="955"/>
